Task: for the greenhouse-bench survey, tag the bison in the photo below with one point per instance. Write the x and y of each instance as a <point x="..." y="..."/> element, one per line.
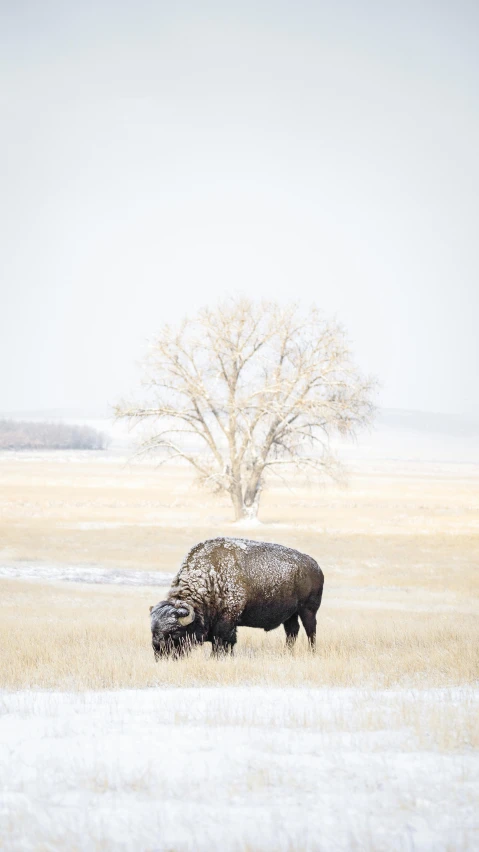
<point x="225" y="583"/>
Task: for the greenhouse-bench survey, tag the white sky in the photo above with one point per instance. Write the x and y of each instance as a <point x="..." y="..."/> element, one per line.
<point x="157" y="156"/>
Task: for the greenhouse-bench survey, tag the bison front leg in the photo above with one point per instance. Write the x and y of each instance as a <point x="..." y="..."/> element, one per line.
<point x="291" y="627"/>
<point x="224" y="643"/>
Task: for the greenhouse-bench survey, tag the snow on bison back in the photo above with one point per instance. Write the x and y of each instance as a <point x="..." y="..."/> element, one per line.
<point x="224" y="583"/>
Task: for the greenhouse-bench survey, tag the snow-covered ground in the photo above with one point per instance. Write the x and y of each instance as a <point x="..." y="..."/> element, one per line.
<point x="237" y="768"/>
<point x="83" y="574"/>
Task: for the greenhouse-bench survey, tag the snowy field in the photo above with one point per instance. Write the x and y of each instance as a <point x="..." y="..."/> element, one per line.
<point x="239" y="769"/>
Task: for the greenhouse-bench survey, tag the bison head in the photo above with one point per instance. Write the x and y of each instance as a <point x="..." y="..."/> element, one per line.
<point x="173" y="628"/>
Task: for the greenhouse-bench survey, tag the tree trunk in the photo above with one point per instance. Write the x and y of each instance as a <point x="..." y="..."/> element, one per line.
<point x="251" y="512"/>
<point x="244" y="512"/>
<point x="253" y="493"/>
<point x="246" y="508"/>
<point x="236" y="494"/>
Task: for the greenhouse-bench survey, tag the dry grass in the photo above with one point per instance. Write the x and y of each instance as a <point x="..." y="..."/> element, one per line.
<point x="399" y="547"/>
<point x="400" y="525"/>
<point x="74" y="637"/>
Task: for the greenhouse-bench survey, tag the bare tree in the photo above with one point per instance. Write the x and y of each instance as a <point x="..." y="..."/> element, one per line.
<point x="250" y="389"/>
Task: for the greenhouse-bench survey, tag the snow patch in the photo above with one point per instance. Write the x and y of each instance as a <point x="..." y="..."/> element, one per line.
<point x="84" y="574"/>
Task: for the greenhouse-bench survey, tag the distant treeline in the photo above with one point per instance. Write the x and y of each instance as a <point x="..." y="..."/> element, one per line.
<point x="27" y="435"/>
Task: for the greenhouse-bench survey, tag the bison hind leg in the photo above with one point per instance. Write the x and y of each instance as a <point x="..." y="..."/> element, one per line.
<point x="307" y="612"/>
<point x="308" y="617"/>
<point x="291" y="627"/>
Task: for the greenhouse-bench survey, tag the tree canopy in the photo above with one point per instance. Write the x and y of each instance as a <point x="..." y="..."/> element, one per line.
<point x="249" y="389"/>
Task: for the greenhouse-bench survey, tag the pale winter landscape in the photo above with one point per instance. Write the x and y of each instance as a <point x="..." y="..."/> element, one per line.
<point x="239" y="381"/>
<point x="370" y="744"/>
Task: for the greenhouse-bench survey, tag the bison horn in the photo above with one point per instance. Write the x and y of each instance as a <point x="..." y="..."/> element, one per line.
<point x="187" y="619"/>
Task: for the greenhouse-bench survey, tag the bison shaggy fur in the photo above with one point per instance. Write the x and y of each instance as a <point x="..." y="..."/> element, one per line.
<point x="225" y="583"/>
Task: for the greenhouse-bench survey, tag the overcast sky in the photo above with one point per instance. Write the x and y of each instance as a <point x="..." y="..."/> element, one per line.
<point x="157" y="156"/>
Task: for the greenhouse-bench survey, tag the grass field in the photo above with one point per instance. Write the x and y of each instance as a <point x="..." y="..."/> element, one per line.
<point x="83" y="638"/>
<point x="376" y="735"/>
<point x="399" y="548"/>
<point x="397" y="524"/>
